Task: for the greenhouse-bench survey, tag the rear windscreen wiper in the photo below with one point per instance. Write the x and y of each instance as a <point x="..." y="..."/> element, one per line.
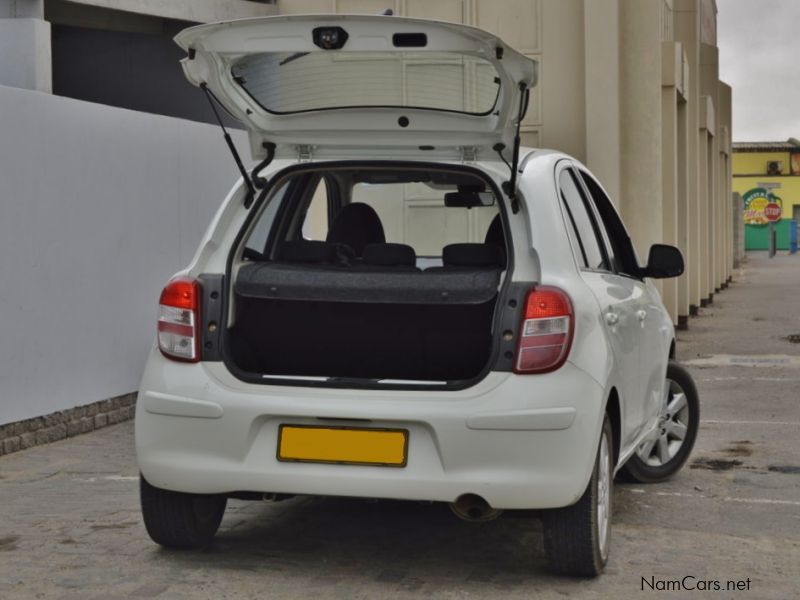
<point x="292" y="57"/>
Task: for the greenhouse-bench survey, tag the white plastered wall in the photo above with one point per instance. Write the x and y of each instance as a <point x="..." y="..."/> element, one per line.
<point x="99" y="206"/>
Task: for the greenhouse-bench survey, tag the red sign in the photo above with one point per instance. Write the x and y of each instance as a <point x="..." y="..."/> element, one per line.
<point x="772" y="211"/>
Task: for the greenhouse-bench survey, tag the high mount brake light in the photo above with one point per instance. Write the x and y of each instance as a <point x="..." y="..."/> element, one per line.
<point x="179" y="320"/>
<point x="545" y="335"/>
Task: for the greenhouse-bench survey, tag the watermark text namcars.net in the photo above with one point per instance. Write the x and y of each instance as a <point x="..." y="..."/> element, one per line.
<point x="690" y="583"/>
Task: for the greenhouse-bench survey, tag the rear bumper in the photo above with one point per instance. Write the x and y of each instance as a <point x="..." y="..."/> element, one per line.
<point x="517" y="441"/>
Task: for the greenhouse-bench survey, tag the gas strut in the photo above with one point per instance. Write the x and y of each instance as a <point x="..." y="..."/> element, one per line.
<point x="510" y="186"/>
<point x="251" y="190"/>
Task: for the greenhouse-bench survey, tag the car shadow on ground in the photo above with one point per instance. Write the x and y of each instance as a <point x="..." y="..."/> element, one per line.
<point x="388" y="540"/>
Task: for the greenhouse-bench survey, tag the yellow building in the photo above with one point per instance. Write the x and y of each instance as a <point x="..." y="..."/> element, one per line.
<point x="767" y="173"/>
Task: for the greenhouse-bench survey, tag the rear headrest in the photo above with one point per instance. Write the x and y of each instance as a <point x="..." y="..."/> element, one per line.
<point x="357" y="225"/>
<point x="472" y="255"/>
<point x="390" y="255"/>
<point x="308" y="251"/>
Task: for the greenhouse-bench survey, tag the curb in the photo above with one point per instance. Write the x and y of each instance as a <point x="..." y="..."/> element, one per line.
<point x="68" y="423"/>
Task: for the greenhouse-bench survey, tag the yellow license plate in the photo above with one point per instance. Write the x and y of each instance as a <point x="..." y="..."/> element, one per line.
<point x="343" y="445"/>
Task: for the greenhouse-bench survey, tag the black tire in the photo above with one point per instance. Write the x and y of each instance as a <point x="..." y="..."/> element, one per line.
<point x="178" y="520"/>
<point x="572" y="535"/>
<point x="638" y="470"/>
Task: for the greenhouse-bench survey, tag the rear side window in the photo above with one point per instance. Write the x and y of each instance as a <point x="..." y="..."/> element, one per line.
<point x="624" y="255"/>
<point x="315" y="224"/>
<point x="257" y="240"/>
<point x="587" y="244"/>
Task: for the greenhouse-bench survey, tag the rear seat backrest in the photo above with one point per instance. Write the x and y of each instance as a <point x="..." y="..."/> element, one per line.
<point x="314" y="252"/>
<point x="486" y="256"/>
<point x="394" y="256"/>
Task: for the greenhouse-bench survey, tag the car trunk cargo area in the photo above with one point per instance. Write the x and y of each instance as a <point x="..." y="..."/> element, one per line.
<point x="433" y="325"/>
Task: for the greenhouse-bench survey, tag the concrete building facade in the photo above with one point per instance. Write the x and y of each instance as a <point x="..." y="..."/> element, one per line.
<point x="629" y="87"/>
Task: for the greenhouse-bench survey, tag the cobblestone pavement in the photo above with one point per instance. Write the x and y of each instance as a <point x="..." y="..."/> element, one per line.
<point x="70" y="525"/>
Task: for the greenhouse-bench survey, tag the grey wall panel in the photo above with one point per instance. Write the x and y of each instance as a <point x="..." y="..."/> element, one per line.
<point x="99" y="206"/>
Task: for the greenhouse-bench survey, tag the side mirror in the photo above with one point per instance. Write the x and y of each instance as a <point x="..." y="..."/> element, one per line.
<point x="663" y="262"/>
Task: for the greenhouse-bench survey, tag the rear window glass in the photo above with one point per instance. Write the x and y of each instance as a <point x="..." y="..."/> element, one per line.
<point x="415" y="214"/>
<point x="296" y="82"/>
<point x="409" y="208"/>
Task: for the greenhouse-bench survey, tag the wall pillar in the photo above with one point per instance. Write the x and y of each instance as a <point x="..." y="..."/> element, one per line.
<point x="706" y="195"/>
<point x="640" y="140"/>
<point x="726" y="153"/>
<point x="686" y="20"/>
<point x="671" y="73"/>
<point x="25" y="54"/>
<point x="601" y="25"/>
<point x="709" y="87"/>
<point x="724" y="207"/>
<point x="563" y="76"/>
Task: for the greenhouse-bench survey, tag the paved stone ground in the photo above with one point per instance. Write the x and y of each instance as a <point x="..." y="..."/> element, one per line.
<point x="70" y="525"/>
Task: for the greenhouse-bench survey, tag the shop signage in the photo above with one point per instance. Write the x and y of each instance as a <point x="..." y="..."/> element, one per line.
<point x="761" y="206"/>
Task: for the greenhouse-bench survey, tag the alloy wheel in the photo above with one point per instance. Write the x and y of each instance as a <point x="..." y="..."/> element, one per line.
<point x="603" y="497"/>
<point x="672" y="427"/>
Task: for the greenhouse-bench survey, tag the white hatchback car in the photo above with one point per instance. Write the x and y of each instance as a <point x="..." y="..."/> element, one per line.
<point x="401" y="302"/>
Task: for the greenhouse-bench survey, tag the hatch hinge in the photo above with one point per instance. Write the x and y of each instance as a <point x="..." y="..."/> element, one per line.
<point x="305" y="152"/>
<point x="469" y="154"/>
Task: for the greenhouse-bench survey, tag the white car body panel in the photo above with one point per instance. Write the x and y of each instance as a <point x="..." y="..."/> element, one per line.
<point x="200" y="429"/>
<point x="540" y="463"/>
<point x="518" y="441"/>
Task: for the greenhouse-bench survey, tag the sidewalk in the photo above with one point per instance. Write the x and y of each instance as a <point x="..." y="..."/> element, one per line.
<point x="70" y="524"/>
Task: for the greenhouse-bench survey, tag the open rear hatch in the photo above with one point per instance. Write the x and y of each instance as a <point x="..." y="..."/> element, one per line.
<point x="328" y="83"/>
<point x="377" y="88"/>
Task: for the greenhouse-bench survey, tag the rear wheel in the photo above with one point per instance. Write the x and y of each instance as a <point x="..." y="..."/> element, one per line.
<point x="576" y="538"/>
<point x="664" y="454"/>
<point x="178" y="520"/>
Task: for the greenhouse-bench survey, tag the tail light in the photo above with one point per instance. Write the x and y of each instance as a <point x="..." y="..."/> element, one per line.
<point x="546" y="332"/>
<point x="179" y="320"/>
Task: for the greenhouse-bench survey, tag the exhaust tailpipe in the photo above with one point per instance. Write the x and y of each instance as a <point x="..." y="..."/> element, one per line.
<point x="472" y="507"/>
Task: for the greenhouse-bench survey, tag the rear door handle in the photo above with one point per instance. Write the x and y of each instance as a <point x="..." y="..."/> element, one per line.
<point x="641" y="314"/>
<point x="612" y="318"/>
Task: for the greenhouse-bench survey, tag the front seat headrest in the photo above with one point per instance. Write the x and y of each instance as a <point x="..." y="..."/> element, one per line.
<point x="357" y="225"/>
